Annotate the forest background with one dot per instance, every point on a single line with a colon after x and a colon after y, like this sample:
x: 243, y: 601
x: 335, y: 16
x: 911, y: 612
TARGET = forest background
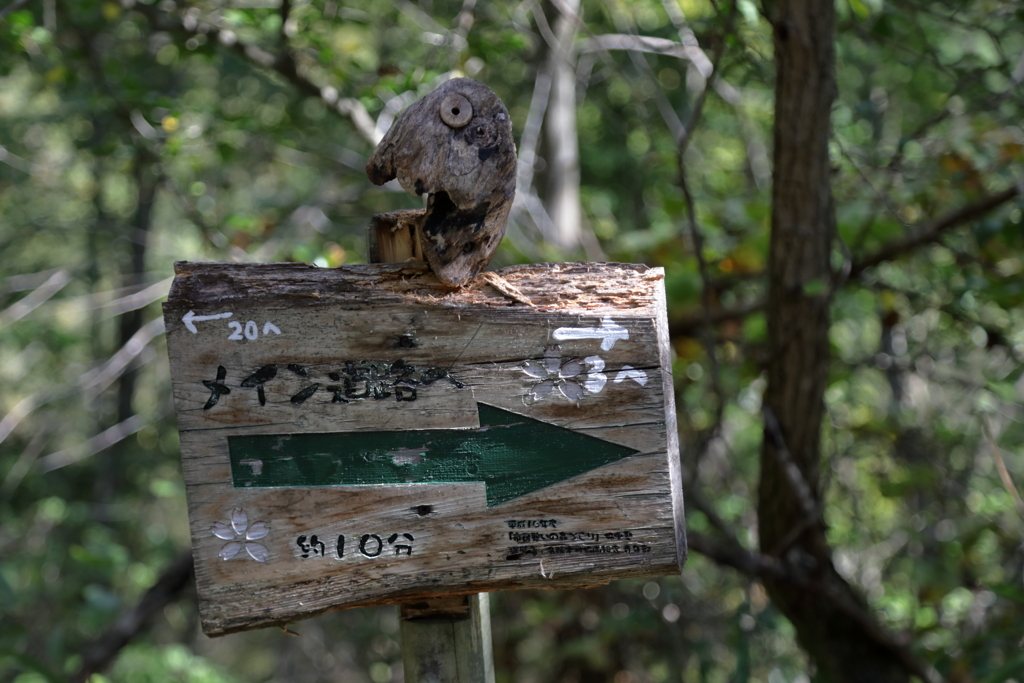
x: 834, y: 192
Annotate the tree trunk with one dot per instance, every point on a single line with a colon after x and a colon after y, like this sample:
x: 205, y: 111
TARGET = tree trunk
x: 563, y: 195
x: 831, y: 621
x: 135, y: 273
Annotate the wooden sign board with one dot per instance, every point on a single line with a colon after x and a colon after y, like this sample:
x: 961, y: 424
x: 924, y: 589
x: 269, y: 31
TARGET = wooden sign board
x: 359, y: 436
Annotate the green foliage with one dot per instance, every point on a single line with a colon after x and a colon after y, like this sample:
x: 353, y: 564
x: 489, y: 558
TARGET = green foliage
x: 103, y: 105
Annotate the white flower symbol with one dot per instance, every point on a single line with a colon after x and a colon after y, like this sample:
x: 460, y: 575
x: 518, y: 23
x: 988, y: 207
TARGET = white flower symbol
x: 554, y: 373
x: 568, y: 376
x: 241, y: 529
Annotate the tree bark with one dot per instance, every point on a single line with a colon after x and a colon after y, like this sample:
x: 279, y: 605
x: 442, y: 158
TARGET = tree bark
x: 563, y: 196
x: 831, y: 621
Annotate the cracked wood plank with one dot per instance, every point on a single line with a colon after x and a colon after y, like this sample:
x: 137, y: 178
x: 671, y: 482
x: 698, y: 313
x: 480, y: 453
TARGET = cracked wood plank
x: 364, y: 435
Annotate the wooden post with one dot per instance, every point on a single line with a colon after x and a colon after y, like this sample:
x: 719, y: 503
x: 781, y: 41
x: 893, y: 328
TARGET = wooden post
x: 446, y: 639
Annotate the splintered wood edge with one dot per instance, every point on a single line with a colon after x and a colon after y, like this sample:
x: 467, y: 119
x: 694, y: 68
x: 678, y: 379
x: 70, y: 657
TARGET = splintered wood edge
x: 548, y: 286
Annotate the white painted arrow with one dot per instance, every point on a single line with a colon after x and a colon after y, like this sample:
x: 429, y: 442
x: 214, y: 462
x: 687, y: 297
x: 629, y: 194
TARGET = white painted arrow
x: 608, y: 333
x: 629, y: 372
x: 190, y: 319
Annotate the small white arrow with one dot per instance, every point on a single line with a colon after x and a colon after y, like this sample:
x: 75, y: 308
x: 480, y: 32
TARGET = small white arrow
x: 608, y: 333
x: 628, y: 372
x: 190, y: 319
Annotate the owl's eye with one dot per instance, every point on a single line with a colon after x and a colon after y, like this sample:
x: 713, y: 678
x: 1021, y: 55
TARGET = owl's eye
x: 469, y: 248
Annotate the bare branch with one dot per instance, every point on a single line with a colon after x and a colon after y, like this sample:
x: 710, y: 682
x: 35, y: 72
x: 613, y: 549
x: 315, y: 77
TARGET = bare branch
x: 283, y: 64
x: 760, y: 566
x: 130, y: 624
x: 621, y: 41
x: 531, y: 131
x: 24, y: 463
x: 695, y: 498
x: 932, y: 232
x: 796, y: 478
x: 526, y: 199
x: 101, y: 441
x: 41, y: 295
x: 705, y: 295
x: 20, y: 411
x: 687, y: 37
x: 100, y: 378
x: 139, y: 299
x: 690, y: 325
x: 745, y: 561
x: 1004, y: 474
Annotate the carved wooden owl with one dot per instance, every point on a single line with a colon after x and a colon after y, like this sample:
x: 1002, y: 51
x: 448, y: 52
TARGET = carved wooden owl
x: 454, y: 145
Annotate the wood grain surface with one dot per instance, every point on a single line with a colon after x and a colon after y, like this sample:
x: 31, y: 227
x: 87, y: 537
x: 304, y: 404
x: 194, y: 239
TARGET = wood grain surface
x: 328, y: 351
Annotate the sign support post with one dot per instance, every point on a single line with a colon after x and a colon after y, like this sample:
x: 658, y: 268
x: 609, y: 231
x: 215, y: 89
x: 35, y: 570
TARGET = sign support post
x: 444, y: 639
x: 448, y: 640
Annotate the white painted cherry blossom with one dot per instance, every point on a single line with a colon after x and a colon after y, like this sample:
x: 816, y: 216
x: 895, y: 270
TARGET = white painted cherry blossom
x: 241, y: 534
x: 568, y: 376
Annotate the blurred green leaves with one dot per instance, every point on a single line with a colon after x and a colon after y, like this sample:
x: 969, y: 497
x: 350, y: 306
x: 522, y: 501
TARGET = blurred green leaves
x: 198, y: 103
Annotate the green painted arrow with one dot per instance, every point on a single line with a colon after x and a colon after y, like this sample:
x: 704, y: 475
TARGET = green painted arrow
x: 513, y: 455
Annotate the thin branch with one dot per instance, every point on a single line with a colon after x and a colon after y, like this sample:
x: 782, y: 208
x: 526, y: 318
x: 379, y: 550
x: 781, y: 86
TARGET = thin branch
x: 1004, y: 474
x: 24, y: 463
x: 100, y: 442
x: 797, y: 481
x: 41, y: 295
x: 696, y: 235
x: 878, y: 195
x: 744, y: 561
x: 695, y: 498
x: 283, y: 64
x: 140, y: 299
x: 464, y: 21
x: 935, y: 230
x: 130, y: 624
x: 760, y: 566
x: 688, y: 38
x: 636, y: 43
x: 100, y: 378
x: 531, y: 131
x: 705, y: 295
x: 543, y: 26
x: 796, y: 478
x: 526, y: 199
x: 690, y: 325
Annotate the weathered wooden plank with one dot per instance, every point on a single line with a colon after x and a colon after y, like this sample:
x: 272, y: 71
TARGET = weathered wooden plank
x: 385, y: 352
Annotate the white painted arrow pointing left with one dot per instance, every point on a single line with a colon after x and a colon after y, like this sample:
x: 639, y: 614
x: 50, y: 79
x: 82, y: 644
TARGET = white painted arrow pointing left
x: 190, y: 319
